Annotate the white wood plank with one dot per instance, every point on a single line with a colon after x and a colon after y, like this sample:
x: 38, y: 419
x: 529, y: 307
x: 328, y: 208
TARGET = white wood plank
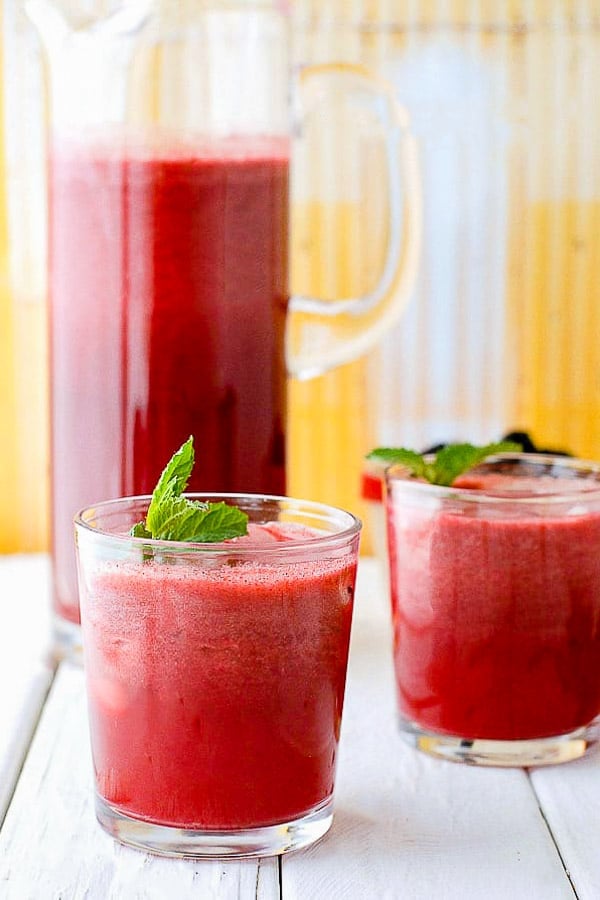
x: 569, y: 796
x: 408, y: 826
x: 51, y: 847
x: 25, y: 673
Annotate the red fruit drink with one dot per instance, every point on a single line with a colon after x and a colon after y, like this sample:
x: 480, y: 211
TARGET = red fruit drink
x: 168, y: 289
x: 216, y: 688
x: 496, y: 603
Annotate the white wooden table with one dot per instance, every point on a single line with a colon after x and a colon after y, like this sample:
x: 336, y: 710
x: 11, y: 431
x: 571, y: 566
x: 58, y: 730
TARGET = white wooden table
x: 406, y: 826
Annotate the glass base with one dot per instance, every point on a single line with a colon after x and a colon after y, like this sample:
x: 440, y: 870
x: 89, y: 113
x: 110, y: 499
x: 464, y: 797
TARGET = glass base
x: 66, y: 644
x: 477, y: 752
x: 167, y: 840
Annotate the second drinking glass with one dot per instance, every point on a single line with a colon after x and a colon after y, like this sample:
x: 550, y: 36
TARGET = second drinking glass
x: 495, y: 588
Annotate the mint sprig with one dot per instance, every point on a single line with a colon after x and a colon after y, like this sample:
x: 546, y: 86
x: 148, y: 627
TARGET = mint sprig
x: 447, y: 464
x: 172, y: 517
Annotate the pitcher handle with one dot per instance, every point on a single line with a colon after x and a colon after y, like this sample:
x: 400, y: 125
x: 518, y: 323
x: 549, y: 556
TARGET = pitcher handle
x: 323, y: 334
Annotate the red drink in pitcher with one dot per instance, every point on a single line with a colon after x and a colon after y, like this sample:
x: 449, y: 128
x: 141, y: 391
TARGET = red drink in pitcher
x: 168, y: 286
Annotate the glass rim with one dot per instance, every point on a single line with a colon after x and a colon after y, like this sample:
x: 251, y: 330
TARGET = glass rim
x: 499, y: 496
x: 352, y: 524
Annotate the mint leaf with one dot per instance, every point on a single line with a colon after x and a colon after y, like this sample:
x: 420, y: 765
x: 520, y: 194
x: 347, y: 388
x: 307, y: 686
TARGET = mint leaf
x: 392, y: 456
x: 179, y: 519
x: 172, y: 517
x: 174, y: 478
x: 449, y: 462
x: 193, y: 520
x: 454, y: 459
x: 140, y: 530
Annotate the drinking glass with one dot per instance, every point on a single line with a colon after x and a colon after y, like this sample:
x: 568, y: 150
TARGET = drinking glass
x: 216, y: 674
x: 495, y: 586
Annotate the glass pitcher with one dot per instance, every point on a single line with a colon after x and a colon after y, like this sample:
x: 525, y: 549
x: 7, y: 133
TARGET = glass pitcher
x: 171, y: 128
